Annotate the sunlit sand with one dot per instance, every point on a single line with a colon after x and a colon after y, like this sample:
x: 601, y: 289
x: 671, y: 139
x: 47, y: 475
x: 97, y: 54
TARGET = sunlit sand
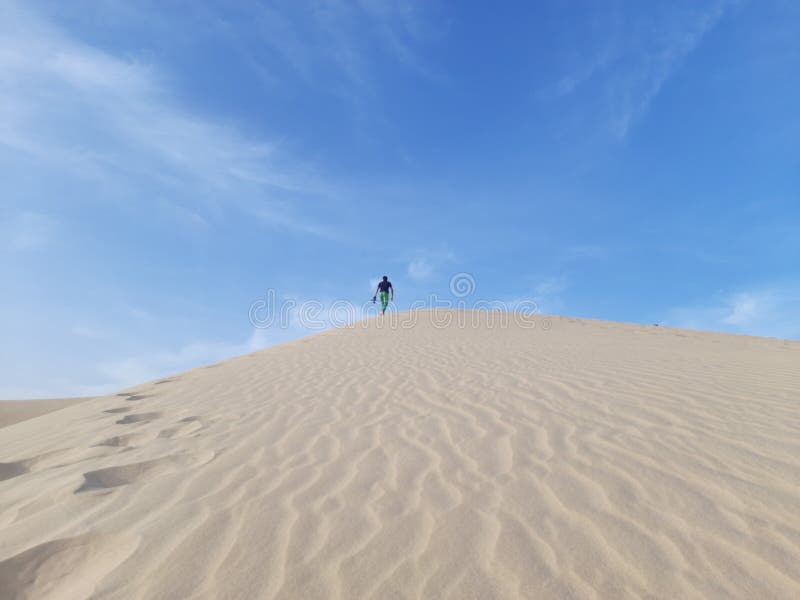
x: 465, y: 460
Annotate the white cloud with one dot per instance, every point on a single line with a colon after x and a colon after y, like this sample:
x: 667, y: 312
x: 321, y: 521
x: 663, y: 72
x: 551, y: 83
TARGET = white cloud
x: 420, y: 269
x: 748, y: 307
x: 97, y: 116
x: 550, y: 287
x: 428, y: 264
x: 765, y: 311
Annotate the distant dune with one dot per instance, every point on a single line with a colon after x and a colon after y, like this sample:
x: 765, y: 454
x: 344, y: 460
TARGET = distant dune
x: 14, y: 411
x: 537, y: 458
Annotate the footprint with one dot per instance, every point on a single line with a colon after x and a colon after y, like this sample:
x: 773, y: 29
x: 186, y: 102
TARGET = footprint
x: 125, y: 474
x: 141, y: 472
x: 14, y: 469
x: 166, y: 381
x: 116, y: 441
x: 183, y: 428
x: 54, y: 459
x: 138, y: 397
x: 132, y: 396
x: 112, y: 411
x: 139, y: 418
x: 66, y: 567
x: 129, y: 439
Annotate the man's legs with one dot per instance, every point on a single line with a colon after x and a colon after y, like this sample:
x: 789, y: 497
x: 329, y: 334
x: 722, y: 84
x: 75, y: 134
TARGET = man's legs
x: 384, y: 301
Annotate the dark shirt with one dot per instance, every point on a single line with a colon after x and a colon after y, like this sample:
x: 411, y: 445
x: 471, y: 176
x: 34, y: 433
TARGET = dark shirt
x: 384, y: 286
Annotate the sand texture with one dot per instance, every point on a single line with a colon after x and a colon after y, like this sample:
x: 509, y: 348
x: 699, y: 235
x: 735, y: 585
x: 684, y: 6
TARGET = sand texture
x: 590, y: 460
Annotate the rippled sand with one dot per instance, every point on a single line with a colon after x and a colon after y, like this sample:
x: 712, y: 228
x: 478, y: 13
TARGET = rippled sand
x: 461, y: 460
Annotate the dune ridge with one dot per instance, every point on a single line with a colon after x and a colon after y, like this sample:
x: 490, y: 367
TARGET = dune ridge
x: 550, y: 458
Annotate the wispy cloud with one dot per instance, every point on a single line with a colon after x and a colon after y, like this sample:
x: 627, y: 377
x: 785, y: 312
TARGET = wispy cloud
x: 546, y: 296
x: 767, y: 311
x: 428, y: 264
x: 426, y: 267
x: 98, y: 116
x: 285, y: 219
x: 637, y: 57
x: 420, y: 269
x: 331, y: 45
x: 402, y: 28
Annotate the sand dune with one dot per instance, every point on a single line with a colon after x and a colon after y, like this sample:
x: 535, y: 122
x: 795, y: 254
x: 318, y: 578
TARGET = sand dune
x: 587, y: 460
x: 14, y: 411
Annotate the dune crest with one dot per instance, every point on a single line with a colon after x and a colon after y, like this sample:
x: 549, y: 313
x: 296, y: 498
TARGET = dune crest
x: 457, y: 458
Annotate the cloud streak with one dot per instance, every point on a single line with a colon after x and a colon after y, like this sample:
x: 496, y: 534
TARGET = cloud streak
x: 330, y: 46
x: 99, y: 117
x: 638, y: 56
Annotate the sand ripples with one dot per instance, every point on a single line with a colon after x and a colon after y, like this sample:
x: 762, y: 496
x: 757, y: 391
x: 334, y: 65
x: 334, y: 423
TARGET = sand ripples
x: 593, y: 460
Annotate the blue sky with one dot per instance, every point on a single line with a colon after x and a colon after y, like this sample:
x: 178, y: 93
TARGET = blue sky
x: 164, y: 164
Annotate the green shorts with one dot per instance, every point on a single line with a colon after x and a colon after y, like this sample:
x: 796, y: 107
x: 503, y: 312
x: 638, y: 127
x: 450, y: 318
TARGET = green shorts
x: 384, y: 300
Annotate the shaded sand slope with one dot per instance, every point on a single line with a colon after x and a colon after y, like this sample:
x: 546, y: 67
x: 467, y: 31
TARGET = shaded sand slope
x: 592, y: 460
x: 14, y: 411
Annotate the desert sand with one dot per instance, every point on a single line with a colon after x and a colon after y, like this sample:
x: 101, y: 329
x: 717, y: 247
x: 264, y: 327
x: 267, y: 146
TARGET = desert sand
x: 14, y: 411
x: 550, y: 458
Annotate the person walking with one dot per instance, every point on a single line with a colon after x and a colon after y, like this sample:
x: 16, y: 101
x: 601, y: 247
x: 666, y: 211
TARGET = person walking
x: 383, y: 290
